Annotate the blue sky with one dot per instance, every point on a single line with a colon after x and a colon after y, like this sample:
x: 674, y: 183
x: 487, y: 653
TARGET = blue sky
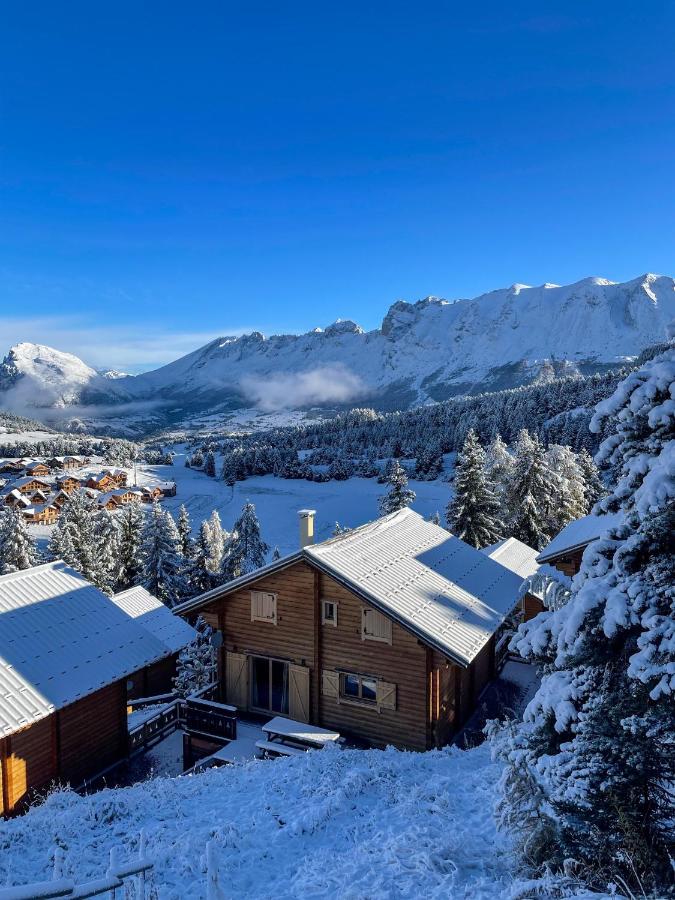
x: 170, y: 172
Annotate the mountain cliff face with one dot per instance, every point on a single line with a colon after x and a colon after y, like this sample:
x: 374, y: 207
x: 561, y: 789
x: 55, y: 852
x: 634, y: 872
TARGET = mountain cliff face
x: 423, y: 352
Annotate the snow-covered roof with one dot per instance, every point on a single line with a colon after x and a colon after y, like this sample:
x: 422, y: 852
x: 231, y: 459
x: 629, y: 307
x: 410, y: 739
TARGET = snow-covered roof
x: 578, y: 534
x: 155, y: 617
x: 28, y: 479
x: 450, y: 594
x: 514, y: 555
x: 61, y: 639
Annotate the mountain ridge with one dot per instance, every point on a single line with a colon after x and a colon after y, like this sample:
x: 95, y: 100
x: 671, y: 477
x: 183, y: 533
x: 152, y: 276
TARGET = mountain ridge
x: 423, y: 352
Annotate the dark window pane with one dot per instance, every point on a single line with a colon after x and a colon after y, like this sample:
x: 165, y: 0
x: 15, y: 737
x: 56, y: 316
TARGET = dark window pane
x: 369, y: 689
x: 279, y: 687
x: 260, y: 683
x: 350, y: 685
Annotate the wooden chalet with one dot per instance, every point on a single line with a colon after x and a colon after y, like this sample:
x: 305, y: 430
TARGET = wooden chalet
x: 60, y: 498
x: 16, y: 498
x: 118, y: 476
x: 41, y: 513
x: 68, y: 483
x: 30, y: 483
x: 12, y: 466
x: 521, y: 559
x: 67, y: 653
x: 101, y: 481
x: 65, y: 463
x: 567, y: 547
x: 385, y: 634
x: 37, y: 468
x: 173, y: 632
x: 150, y: 494
x: 107, y: 501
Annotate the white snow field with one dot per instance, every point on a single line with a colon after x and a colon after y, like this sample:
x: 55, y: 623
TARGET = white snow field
x: 331, y: 823
x: 277, y: 500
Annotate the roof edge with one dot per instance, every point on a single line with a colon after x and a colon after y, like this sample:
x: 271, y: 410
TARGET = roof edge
x: 223, y: 590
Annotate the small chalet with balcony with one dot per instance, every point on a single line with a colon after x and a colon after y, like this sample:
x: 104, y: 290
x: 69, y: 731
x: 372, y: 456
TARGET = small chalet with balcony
x: 567, y: 547
x: 70, y: 657
x: 385, y: 634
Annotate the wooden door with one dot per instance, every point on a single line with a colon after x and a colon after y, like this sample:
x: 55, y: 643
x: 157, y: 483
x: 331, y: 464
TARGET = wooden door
x: 298, y: 707
x: 236, y: 680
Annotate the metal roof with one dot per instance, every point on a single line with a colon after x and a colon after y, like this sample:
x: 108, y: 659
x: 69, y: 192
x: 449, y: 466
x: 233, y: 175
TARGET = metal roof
x: 450, y: 594
x: 578, y: 534
x: 61, y: 639
x: 155, y: 617
x: 514, y: 555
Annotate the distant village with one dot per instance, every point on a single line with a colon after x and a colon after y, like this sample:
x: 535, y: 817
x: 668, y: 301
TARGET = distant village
x: 39, y: 487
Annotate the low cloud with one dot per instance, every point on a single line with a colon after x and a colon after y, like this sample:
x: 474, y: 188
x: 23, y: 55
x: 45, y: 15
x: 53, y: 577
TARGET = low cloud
x: 315, y: 387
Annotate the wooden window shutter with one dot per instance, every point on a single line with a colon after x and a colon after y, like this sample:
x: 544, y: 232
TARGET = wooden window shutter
x: 375, y: 626
x: 386, y: 695
x: 298, y: 695
x: 236, y: 680
x: 263, y: 607
x: 330, y: 684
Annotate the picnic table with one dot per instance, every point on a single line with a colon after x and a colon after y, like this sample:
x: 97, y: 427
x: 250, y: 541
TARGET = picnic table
x: 287, y: 731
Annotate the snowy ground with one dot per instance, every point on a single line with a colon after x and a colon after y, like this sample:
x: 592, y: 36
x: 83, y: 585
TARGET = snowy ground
x: 277, y: 500
x: 331, y: 823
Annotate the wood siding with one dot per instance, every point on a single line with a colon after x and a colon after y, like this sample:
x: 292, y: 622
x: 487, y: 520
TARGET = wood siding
x: 410, y: 715
x: 568, y: 563
x: 532, y: 606
x: 70, y: 746
x: 403, y: 663
x: 92, y: 733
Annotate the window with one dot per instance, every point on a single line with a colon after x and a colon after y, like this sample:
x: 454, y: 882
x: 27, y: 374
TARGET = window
x: 375, y: 626
x: 263, y: 607
x: 329, y: 612
x: 269, y: 684
x: 358, y: 687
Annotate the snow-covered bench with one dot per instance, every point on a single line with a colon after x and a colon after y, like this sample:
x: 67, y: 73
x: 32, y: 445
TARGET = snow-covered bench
x: 278, y: 748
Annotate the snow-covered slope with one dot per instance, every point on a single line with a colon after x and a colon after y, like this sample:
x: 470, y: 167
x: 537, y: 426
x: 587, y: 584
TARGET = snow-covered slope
x: 423, y: 352
x: 328, y: 824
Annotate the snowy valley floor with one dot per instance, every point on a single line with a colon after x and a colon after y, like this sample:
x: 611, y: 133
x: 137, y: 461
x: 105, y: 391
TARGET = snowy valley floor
x: 350, y: 824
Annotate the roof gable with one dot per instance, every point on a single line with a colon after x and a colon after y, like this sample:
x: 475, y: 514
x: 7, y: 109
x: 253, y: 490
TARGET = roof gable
x: 514, y: 555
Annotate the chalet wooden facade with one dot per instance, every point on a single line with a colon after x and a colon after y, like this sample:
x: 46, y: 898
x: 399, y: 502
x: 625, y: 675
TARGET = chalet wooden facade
x: 385, y: 634
x: 28, y: 484
x: 566, y: 549
x: 67, y: 654
x: 42, y: 513
x: 39, y: 469
x: 68, y: 483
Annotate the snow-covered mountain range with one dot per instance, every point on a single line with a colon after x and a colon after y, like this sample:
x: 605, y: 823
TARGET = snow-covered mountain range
x: 423, y: 352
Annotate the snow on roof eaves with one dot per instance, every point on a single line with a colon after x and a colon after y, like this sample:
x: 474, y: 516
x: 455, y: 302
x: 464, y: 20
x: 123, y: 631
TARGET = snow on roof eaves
x: 449, y: 594
x: 514, y: 555
x: 578, y: 534
x: 61, y: 639
x: 155, y: 617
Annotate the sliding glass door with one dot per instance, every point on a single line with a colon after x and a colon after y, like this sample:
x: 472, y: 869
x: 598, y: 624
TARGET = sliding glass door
x: 269, y: 685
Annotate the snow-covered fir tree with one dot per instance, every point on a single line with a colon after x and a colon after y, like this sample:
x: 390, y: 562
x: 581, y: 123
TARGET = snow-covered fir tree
x: 339, y: 529
x: 210, y: 464
x: 399, y: 494
x: 196, y: 665
x: 473, y: 513
x: 216, y: 538
x: 276, y: 554
x: 17, y: 548
x: 499, y: 463
x: 246, y: 549
x: 199, y: 575
x: 108, y: 541
x: 74, y: 539
x: 530, y: 493
x: 568, y: 486
x: 590, y: 773
x: 130, y: 524
x: 184, y: 525
x: 593, y: 487
x: 163, y: 563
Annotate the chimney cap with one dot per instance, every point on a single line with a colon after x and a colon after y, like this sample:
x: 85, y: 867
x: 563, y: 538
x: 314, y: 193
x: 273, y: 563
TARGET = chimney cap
x: 306, y: 512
